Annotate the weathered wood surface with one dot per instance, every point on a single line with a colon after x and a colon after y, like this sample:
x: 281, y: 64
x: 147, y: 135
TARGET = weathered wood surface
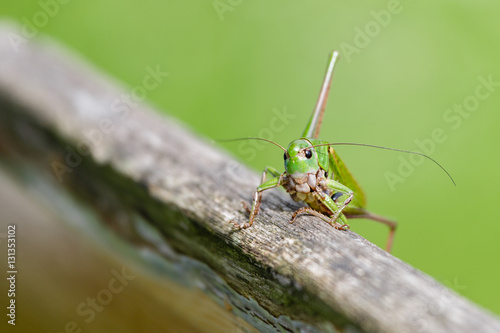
x: 54, y: 107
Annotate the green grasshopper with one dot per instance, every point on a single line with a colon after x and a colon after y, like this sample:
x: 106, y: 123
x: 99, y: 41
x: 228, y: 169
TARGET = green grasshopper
x: 316, y: 175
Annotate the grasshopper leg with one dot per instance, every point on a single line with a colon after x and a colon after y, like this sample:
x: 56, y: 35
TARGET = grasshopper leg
x: 374, y: 217
x: 311, y: 211
x: 336, y: 210
x: 332, y: 206
x: 257, y: 197
x: 245, y: 206
x: 341, y: 208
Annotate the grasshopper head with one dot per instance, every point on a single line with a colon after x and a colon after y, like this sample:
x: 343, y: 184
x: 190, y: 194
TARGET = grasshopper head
x: 299, y: 159
x: 301, y: 164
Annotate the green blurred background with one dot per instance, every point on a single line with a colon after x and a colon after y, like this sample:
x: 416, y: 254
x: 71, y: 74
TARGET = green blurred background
x: 232, y: 62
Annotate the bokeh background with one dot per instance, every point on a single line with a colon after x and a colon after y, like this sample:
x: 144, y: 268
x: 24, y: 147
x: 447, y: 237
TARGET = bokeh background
x: 406, y: 68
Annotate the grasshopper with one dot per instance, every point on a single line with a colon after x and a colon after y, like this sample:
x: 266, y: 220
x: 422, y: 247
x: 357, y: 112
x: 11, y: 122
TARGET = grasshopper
x: 316, y: 175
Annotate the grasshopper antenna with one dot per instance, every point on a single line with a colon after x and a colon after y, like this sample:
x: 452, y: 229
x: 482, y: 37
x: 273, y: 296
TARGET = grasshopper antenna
x: 251, y: 138
x: 387, y: 148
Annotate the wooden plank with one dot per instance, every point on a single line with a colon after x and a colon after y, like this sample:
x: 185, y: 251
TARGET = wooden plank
x: 71, y: 266
x: 303, y: 276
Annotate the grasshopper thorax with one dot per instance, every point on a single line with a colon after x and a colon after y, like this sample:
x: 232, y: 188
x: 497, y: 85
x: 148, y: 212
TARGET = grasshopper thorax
x: 304, y: 165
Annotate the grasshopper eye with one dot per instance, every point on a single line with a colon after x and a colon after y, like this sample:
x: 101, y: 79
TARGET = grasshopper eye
x: 309, y: 154
x: 284, y: 156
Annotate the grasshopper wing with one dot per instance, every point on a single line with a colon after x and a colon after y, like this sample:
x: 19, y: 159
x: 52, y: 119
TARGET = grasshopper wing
x: 344, y: 176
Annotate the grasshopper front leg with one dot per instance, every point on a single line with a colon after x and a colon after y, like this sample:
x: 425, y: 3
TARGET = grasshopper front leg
x: 257, y: 197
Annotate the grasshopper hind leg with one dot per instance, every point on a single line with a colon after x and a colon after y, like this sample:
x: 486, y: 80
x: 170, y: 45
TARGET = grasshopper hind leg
x: 364, y: 214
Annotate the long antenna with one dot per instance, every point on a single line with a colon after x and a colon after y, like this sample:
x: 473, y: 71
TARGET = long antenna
x: 386, y: 148
x: 251, y: 138
x: 314, y: 125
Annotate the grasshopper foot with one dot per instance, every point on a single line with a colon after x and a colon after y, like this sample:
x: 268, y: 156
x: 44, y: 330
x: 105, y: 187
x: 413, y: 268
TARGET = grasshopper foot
x: 244, y: 225
x: 339, y: 226
x: 240, y: 226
